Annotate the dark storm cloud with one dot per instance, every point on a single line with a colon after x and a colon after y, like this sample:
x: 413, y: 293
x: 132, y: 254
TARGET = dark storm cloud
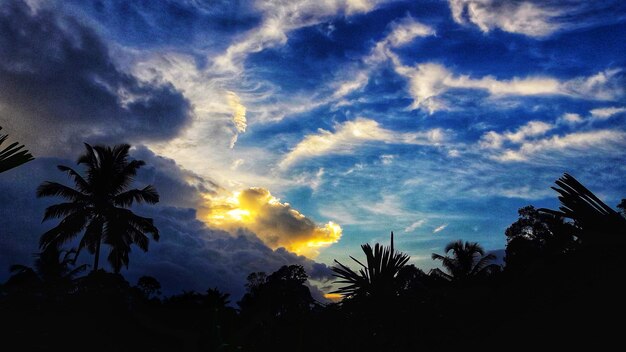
x: 189, y: 255
x: 58, y: 84
x: 192, y: 256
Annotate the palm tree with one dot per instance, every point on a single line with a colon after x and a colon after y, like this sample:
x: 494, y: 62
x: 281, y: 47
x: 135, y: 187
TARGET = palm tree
x: 468, y: 261
x: 98, y: 205
x: 377, y: 278
x: 12, y: 156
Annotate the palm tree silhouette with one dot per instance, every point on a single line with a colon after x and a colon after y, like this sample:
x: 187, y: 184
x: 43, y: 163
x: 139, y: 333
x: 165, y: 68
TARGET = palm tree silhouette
x: 98, y: 206
x: 377, y: 278
x: 12, y: 156
x: 468, y: 261
x: 53, y: 272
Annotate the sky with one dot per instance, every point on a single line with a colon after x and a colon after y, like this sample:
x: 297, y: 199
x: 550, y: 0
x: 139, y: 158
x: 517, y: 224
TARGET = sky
x: 282, y: 132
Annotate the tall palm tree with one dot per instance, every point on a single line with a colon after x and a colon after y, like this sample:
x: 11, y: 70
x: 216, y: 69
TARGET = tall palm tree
x: 468, y: 261
x: 98, y: 205
x: 12, y: 156
x: 377, y: 278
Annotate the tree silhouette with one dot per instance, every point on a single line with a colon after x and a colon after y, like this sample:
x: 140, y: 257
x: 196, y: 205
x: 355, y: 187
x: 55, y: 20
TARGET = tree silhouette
x: 377, y: 278
x: 468, y: 261
x: 54, y: 271
x: 149, y: 286
x: 279, y: 294
x: 98, y: 205
x: 536, y: 237
x: 12, y: 156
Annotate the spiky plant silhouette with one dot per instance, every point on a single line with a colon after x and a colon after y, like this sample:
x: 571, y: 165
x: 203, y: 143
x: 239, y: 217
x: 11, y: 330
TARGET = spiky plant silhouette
x: 377, y: 278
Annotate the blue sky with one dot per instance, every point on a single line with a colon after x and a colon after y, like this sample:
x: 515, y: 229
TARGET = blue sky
x: 434, y: 119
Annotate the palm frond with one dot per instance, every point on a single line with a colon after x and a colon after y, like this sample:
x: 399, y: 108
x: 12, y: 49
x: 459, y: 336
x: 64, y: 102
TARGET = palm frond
x: 62, y: 210
x: 13, y: 155
x: 65, y: 231
x: 81, y: 183
x: 53, y: 189
x: 147, y: 194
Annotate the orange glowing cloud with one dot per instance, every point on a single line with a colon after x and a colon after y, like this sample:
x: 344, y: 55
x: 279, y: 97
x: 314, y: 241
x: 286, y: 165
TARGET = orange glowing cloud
x: 276, y: 224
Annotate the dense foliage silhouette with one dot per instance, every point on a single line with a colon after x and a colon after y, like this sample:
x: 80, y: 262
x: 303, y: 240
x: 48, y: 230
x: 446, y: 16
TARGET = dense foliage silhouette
x: 98, y: 205
x: 560, y: 286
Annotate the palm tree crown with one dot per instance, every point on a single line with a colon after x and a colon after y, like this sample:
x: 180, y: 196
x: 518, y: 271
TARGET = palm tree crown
x: 468, y: 261
x: 98, y: 205
x: 377, y: 278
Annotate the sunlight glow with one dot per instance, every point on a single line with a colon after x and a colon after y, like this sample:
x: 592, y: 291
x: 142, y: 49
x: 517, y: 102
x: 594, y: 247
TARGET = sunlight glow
x: 275, y: 223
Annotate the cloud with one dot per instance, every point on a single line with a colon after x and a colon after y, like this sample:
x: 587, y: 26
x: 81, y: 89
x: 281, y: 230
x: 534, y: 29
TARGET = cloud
x: 571, y: 118
x: 59, y: 86
x: 605, y: 113
x: 218, y: 112
x: 598, y: 141
x: 277, y: 224
x: 428, y: 81
x: 279, y: 18
x: 312, y: 181
x: 440, y: 228
x: 415, y: 225
x: 390, y: 205
x: 523, y: 17
x: 352, y: 134
x: 239, y: 115
x: 401, y: 32
x: 495, y: 140
x: 387, y: 159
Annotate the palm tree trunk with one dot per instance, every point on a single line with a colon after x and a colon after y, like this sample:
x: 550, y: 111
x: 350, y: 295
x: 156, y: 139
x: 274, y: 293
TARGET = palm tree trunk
x: 97, y: 257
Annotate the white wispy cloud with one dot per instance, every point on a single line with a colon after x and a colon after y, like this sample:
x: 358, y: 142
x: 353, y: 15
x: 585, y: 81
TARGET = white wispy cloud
x: 605, y: 113
x: 279, y: 18
x: 440, y: 228
x: 427, y: 81
x: 238, y: 115
x: 218, y: 112
x: 495, y: 140
x: 401, y: 32
x: 591, y: 142
x: 352, y: 134
x: 390, y: 205
x: 523, y: 17
x: 311, y: 180
x: 415, y: 225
